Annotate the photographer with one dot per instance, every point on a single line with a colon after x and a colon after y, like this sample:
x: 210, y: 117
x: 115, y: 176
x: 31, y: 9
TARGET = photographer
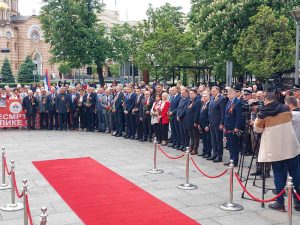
x: 278, y: 145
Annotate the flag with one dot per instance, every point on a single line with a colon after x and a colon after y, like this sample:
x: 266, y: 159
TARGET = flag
x: 47, y: 83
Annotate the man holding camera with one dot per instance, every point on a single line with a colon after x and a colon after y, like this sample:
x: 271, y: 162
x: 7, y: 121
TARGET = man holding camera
x: 278, y: 146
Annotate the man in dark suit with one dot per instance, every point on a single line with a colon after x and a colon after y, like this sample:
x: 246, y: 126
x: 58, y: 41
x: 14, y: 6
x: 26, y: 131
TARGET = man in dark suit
x: 145, y: 117
x: 51, y: 109
x: 181, y: 111
x: 74, y: 98
x: 130, y: 118
x: 216, y: 120
x: 191, y: 121
x: 42, y: 102
x: 30, y: 104
x: 136, y: 112
x: 89, y: 101
x: 62, y: 107
x: 204, y: 126
x: 119, y: 111
x: 174, y: 100
x: 233, y: 123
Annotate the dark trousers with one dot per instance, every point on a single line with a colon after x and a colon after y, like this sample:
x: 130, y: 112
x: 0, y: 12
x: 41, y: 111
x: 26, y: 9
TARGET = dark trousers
x: 119, y: 116
x: 233, y: 141
x: 217, y: 141
x: 53, y: 117
x: 82, y: 118
x: 156, y: 128
x: 63, y: 121
x: 175, y: 131
x: 90, y: 119
x: 184, y: 135
x: 194, y: 138
x: 133, y: 124
x: 101, y: 120
x: 281, y: 169
x: 206, y: 141
x: 147, y: 131
x: 163, y: 129
x: 44, y: 120
x: 30, y: 120
x: 139, y: 127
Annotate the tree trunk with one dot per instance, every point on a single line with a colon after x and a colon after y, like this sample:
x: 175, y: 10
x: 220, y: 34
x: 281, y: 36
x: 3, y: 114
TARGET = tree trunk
x: 100, y: 74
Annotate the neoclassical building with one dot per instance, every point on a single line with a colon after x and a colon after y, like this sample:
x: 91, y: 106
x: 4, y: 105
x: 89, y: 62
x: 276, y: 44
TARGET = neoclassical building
x: 21, y: 36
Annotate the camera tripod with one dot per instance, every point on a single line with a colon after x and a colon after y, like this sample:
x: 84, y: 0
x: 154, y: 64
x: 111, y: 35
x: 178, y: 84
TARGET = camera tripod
x: 256, y: 144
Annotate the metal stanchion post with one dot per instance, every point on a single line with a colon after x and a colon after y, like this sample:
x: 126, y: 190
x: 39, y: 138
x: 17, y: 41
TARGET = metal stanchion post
x: 44, y: 216
x: 230, y: 206
x: 290, y: 199
x: 187, y: 185
x: 155, y: 170
x: 13, y: 206
x: 25, y: 201
x: 4, y: 185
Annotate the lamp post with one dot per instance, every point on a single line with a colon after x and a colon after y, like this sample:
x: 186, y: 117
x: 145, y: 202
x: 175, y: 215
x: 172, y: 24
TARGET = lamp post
x: 296, y: 15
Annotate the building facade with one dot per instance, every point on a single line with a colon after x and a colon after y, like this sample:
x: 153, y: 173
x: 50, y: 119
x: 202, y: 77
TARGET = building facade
x: 22, y: 36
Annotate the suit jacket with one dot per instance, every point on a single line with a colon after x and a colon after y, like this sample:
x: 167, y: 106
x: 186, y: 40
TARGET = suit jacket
x: 216, y: 111
x: 145, y: 106
x: 164, y: 109
x: 74, y: 98
x: 119, y: 102
x: 99, y: 106
x: 233, y: 115
x: 90, y: 101
x: 42, y: 103
x: 130, y: 102
x: 174, y: 104
x: 30, y: 105
x: 50, y: 104
x: 106, y: 101
x: 191, y: 114
x: 137, y: 104
x: 63, y: 103
x: 203, y: 116
x: 181, y: 110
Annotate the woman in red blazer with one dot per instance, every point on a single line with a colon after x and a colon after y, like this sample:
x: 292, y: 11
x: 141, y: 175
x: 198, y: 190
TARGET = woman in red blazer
x: 164, y: 118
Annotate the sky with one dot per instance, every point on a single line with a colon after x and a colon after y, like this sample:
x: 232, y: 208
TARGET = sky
x: 130, y: 10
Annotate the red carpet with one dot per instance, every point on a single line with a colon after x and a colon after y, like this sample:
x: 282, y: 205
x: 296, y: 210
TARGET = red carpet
x: 99, y: 196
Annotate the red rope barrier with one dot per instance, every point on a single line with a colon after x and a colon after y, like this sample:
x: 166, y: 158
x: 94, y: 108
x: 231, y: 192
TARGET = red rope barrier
x: 6, y: 167
x: 170, y: 157
x: 296, y: 194
x: 253, y: 197
x: 16, y: 187
x: 206, y: 175
x: 28, y: 211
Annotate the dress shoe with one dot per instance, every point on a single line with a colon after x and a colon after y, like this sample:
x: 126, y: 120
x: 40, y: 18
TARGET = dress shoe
x: 180, y: 148
x: 212, y: 158
x: 194, y: 152
x: 278, y: 207
x: 137, y: 138
x: 257, y: 173
x: 126, y: 137
x: 202, y: 154
x: 132, y: 138
x: 219, y: 159
x: 206, y: 156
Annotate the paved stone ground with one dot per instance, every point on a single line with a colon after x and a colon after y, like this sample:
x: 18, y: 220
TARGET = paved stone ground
x: 130, y: 159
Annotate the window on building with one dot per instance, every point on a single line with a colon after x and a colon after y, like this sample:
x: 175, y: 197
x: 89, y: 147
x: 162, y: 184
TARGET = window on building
x: 35, y: 36
x: 8, y: 44
x: 8, y: 35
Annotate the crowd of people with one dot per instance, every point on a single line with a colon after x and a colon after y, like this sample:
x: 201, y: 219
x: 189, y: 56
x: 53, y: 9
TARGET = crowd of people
x: 177, y: 117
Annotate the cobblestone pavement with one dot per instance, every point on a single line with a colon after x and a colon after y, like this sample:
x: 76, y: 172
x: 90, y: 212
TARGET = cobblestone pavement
x: 129, y: 159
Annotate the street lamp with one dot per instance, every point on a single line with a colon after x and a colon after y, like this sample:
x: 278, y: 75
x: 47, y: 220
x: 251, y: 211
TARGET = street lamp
x: 296, y: 15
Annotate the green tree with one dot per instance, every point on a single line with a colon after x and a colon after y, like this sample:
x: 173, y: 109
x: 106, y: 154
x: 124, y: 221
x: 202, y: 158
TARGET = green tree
x: 218, y: 26
x: 7, y: 76
x: 25, y: 74
x: 75, y: 34
x: 64, y: 68
x: 164, y: 41
x: 267, y: 45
